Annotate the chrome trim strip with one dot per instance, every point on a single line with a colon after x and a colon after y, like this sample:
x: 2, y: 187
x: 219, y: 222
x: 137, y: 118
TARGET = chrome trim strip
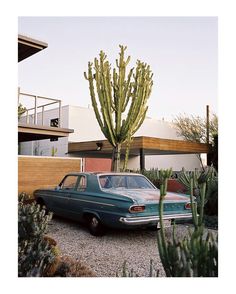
x: 106, y: 204
x: 69, y: 198
x: 150, y: 219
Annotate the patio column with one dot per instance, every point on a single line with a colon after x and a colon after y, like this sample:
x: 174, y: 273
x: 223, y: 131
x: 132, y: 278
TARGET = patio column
x: 142, y: 159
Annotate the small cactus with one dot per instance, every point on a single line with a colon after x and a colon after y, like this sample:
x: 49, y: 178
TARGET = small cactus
x: 129, y: 273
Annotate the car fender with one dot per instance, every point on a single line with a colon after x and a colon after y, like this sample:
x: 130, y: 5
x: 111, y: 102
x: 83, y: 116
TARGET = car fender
x: 89, y: 212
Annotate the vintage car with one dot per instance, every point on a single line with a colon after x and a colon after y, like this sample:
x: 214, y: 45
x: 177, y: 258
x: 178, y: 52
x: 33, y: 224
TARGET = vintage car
x: 117, y: 200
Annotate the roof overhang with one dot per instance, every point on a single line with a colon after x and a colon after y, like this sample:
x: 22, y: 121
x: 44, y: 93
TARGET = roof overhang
x: 28, y: 132
x: 28, y: 46
x: 149, y: 145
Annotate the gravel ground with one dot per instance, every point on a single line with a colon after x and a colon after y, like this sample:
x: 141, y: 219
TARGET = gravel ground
x: 105, y: 255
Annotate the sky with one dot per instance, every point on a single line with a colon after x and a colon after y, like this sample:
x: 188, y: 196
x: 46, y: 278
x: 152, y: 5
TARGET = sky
x: 181, y: 51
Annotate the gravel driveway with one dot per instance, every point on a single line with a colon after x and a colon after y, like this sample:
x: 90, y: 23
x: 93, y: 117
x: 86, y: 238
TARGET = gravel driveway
x: 105, y: 255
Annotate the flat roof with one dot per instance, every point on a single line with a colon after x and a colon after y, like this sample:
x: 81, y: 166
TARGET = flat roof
x: 150, y: 146
x: 29, y: 132
x: 28, y: 46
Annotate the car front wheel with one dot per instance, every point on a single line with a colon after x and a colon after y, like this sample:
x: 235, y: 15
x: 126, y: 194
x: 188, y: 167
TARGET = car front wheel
x: 95, y: 226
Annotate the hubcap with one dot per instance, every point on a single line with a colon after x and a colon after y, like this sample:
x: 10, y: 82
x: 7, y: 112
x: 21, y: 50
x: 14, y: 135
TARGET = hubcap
x: 94, y: 222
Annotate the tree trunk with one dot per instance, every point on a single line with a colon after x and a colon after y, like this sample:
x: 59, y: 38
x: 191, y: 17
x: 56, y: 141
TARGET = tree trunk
x: 126, y: 155
x: 116, y: 158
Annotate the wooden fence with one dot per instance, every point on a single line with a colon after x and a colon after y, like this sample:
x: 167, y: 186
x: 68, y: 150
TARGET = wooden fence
x: 36, y: 172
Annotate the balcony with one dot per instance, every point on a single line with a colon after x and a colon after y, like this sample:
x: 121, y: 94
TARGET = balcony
x: 35, y: 122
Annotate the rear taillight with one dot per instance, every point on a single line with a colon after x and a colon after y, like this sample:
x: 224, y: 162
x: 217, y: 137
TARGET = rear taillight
x: 188, y: 205
x: 136, y: 208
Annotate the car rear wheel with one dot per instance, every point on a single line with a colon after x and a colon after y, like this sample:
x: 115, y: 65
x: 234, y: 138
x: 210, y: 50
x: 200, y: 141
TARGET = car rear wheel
x: 95, y: 226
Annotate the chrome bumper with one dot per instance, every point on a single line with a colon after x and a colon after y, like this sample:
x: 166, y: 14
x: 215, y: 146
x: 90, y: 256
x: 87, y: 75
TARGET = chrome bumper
x: 145, y: 220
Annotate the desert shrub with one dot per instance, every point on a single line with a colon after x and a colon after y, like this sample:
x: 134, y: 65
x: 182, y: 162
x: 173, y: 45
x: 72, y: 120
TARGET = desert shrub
x: 35, y: 253
x: 69, y: 267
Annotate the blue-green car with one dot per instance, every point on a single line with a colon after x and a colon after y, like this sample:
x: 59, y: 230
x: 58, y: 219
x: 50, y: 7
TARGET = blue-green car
x: 117, y: 200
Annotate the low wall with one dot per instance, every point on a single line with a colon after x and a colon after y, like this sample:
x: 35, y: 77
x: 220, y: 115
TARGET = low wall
x: 36, y: 172
x: 97, y: 164
x: 175, y: 186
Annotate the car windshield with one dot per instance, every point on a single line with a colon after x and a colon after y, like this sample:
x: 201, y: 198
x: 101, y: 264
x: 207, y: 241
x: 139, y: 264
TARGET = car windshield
x: 124, y: 182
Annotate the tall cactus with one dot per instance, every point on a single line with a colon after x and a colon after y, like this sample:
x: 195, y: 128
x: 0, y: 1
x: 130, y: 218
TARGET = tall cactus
x: 120, y: 101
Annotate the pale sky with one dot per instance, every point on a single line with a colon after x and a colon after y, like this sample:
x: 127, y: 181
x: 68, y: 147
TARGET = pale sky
x: 182, y: 53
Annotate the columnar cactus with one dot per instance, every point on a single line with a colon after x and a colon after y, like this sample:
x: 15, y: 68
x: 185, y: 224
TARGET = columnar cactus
x: 197, y: 254
x: 118, y: 95
x: 210, y: 176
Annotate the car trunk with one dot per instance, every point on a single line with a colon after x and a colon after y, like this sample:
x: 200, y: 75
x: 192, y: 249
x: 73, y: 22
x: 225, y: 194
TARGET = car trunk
x: 173, y: 202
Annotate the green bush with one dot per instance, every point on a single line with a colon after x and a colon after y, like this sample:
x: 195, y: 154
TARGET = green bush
x: 35, y: 254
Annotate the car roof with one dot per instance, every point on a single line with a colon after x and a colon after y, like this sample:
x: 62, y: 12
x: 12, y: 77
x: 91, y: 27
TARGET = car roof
x: 104, y: 173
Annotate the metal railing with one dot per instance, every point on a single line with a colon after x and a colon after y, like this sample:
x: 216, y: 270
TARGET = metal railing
x: 34, y: 110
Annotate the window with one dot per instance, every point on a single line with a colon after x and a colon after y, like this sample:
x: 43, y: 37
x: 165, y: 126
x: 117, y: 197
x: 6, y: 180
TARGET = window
x: 82, y: 184
x: 69, y: 183
x: 124, y: 182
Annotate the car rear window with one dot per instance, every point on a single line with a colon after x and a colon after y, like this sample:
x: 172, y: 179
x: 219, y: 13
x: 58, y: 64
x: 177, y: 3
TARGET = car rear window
x: 124, y: 182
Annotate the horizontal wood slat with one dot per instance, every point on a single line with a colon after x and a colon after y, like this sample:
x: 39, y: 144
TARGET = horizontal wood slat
x: 42, y: 172
x: 156, y: 145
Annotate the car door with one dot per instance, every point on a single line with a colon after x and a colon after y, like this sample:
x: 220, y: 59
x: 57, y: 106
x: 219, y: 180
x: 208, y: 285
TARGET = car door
x: 76, y: 202
x: 61, y: 200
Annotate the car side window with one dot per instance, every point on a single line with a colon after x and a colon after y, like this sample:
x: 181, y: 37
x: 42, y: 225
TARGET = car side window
x: 69, y: 183
x: 82, y: 184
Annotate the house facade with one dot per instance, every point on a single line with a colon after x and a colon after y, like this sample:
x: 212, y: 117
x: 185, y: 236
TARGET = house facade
x: 83, y: 121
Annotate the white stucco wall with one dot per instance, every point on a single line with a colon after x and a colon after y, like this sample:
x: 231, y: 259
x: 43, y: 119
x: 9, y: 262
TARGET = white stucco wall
x: 85, y: 125
x: 176, y: 162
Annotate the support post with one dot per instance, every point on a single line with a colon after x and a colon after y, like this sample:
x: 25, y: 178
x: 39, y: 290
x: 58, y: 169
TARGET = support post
x: 142, y: 159
x: 35, y: 109
x: 59, y: 119
x: 18, y: 95
x: 42, y: 114
x: 207, y: 124
x: 209, y: 155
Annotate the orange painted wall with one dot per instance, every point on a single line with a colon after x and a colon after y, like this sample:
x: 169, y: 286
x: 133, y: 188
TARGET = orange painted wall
x: 97, y: 164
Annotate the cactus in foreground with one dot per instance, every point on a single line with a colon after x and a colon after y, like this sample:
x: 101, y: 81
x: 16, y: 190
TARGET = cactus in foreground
x: 211, y: 195
x: 35, y: 254
x: 126, y: 273
x: 118, y: 95
x: 197, y: 254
